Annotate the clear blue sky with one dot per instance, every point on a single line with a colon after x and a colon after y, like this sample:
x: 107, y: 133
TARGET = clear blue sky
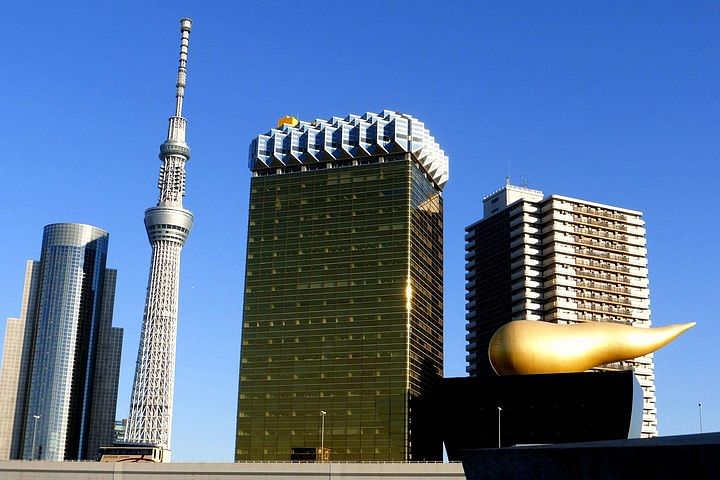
x: 614, y: 102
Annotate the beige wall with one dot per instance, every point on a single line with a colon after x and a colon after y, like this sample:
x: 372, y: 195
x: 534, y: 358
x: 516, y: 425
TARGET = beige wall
x: 17, y: 470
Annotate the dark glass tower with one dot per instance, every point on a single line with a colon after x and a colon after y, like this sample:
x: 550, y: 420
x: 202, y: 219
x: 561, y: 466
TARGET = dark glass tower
x: 343, y: 310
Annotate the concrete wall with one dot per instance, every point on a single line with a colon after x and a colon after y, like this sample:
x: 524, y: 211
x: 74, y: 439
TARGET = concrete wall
x: 17, y: 470
x: 678, y: 457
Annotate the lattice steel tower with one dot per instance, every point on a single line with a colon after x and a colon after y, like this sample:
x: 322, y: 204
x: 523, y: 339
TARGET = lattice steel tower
x: 168, y: 225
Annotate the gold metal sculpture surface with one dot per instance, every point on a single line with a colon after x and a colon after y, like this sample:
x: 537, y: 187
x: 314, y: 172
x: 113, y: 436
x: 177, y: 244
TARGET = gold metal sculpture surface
x: 529, y: 347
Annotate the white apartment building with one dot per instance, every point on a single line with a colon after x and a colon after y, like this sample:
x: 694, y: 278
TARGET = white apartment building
x: 561, y: 260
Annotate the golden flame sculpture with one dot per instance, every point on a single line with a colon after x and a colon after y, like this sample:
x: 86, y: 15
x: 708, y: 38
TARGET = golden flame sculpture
x: 527, y: 347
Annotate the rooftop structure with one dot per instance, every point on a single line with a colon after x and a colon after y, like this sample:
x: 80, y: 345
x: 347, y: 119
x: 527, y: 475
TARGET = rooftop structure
x: 321, y: 144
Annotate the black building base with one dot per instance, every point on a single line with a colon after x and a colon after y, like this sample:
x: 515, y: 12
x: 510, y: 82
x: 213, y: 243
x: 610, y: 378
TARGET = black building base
x: 679, y: 457
x: 537, y: 409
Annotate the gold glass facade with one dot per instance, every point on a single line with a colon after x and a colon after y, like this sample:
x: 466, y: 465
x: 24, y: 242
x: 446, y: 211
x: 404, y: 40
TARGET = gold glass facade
x: 342, y: 313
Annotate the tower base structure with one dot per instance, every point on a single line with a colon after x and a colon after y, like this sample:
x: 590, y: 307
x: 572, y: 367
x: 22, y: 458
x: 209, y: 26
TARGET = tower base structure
x: 488, y: 412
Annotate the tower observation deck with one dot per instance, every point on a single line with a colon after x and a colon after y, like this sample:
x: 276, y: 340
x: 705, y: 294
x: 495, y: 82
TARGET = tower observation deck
x: 168, y: 225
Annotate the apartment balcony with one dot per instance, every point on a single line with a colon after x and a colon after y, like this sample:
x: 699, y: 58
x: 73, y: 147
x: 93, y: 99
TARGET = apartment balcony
x: 559, y: 269
x: 603, y: 213
x: 525, y: 218
x: 601, y: 307
x: 528, y: 261
x: 525, y: 250
x: 631, y: 292
x: 524, y: 207
x: 525, y: 272
x: 606, y: 245
x: 595, y: 232
x: 611, y: 267
x: 524, y: 283
x: 623, y: 312
x: 526, y: 304
x: 618, y: 227
x: 524, y: 241
x: 614, y: 257
x: 556, y: 316
x: 555, y: 215
x: 523, y: 231
x: 644, y: 360
x: 558, y: 282
x: 646, y: 381
x: 557, y: 227
x: 559, y: 237
x: 526, y: 294
x: 637, y: 251
x: 560, y: 302
x: 560, y: 291
x: 596, y: 297
x: 642, y: 371
x: 635, y: 230
x: 558, y: 247
x: 599, y: 223
x: 560, y: 259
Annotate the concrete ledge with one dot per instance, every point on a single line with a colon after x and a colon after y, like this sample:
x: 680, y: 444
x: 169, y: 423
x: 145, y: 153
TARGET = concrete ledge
x: 677, y: 457
x: 23, y: 470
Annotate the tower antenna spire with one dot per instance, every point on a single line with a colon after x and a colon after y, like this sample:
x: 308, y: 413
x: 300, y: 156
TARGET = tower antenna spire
x: 185, y: 27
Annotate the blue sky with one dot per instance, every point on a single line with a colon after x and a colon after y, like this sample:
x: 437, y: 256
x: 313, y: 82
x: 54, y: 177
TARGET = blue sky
x: 613, y: 102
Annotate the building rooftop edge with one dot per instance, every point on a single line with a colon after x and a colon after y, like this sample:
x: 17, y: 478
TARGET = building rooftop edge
x: 344, y: 139
x: 596, y: 204
x: 549, y: 197
x: 76, y: 224
x: 512, y: 187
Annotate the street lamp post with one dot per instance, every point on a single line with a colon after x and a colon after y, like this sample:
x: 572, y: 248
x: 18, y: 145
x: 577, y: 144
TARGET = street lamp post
x: 499, y: 415
x: 700, y: 410
x: 32, y: 453
x: 322, y: 436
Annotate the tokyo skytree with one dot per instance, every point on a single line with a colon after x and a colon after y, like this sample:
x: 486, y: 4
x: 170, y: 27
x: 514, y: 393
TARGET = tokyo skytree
x: 168, y: 225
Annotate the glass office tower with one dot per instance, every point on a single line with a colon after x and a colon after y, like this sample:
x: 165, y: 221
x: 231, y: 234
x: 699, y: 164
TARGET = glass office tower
x: 343, y: 310
x: 60, y: 380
